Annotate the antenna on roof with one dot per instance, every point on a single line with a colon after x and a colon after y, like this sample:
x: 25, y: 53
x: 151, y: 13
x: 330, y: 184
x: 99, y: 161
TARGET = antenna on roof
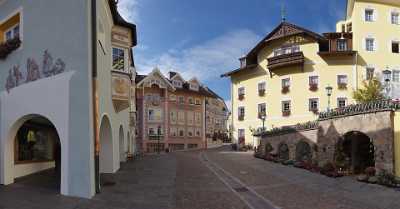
x: 283, y: 11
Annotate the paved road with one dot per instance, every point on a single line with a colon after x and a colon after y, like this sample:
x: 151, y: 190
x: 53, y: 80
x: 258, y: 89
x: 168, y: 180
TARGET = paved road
x: 215, y: 179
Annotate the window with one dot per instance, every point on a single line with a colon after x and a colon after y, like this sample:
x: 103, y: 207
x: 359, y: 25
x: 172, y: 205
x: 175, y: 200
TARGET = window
x: 313, y: 104
x: 370, y: 44
x: 369, y: 15
x: 395, y: 18
x: 313, y: 80
x: 395, y: 47
x: 181, y: 117
x: 154, y: 130
x: 197, y: 118
x: 118, y: 57
x: 177, y: 84
x: 173, y: 131
x: 241, y: 113
x: 198, y: 101
x: 190, y: 132
x: 194, y: 87
x: 173, y: 117
x: 241, y: 133
x: 396, y: 76
x: 342, y: 79
x: 172, y: 98
x: 370, y: 73
x: 342, y: 45
x: 343, y: 28
x: 349, y: 27
x: 241, y: 91
x: 154, y: 115
x: 261, y: 86
x: 181, y: 132
x: 262, y: 110
x: 341, y: 102
x: 286, y: 106
x: 286, y: 50
x: 190, y: 118
x: 181, y: 100
x: 191, y: 101
x: 285, y: 82
x: 12, y: 33
x: 198, y: 132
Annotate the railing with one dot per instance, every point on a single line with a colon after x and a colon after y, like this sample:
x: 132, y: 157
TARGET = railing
x: 284, y: 60
x: 287, y: 129
x: 377, y: 106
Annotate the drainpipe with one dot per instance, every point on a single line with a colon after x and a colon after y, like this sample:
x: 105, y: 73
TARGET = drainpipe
x: 95, y: 97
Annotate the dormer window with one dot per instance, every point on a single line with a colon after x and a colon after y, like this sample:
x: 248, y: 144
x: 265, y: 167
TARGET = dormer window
x: 194, y: 87
x: 243, y: 62
x: 177, y: 84
x: 118, y: 57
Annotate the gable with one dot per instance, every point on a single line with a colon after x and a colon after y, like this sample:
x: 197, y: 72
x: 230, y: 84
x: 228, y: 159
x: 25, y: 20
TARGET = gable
x: 155, y: 78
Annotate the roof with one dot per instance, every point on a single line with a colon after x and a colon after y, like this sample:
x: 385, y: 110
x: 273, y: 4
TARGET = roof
x: 284, y: 29
x: 119, y: 20
x: 139, y: 78
x: 239, y: 69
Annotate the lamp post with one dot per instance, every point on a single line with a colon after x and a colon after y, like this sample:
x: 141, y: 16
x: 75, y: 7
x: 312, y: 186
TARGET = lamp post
x: 329, y: 94
x: 387, y: 74
x: 263, y: 121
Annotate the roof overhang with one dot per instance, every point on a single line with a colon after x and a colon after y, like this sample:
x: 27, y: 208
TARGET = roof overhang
x: 228, y: 74
x: 120, y: 21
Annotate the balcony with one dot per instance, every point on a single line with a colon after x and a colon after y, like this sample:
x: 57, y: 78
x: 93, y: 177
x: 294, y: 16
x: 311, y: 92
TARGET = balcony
x: 121, y: 84
x: 337, y: 45
x: 155, y: 137
x: 8, y: 47
x: 286, y: 60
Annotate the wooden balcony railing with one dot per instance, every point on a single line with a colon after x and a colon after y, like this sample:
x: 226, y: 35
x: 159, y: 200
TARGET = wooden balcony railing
x: 285, y: 60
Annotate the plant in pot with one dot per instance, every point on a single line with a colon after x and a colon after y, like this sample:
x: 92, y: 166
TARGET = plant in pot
x: 285, y: 89
x: 313, y: 87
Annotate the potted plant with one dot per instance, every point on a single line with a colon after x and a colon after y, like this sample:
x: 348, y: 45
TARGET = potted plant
x: 241, y: 97
x: 342, y: 86
x: 285, y: 89
x: 241, y: 117
x: 261, y: 92
x: 9, y: 46
x: 286, y: 113
x: 313, y: 87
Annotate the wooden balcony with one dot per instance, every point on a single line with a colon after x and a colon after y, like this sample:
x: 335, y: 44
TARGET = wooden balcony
x: 337, y: 45
x: 286, y: 60
x: 121, y: 84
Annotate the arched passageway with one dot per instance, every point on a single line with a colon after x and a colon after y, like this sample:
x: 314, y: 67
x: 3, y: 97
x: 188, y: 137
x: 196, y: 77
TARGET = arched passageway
x: 303, y: 152
x: 106, y: 146
x: 122, y: 152
x: 355, y: 152
x: 36, y: 155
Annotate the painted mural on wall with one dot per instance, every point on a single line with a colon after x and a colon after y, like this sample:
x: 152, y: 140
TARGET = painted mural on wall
x: 33, y: 73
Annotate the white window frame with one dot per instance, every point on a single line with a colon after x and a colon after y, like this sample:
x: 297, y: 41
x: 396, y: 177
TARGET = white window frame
x: 373, y: 17
x: 373, y: 44
x: 288, y: 82
x: 240, y: 90
x: 310, y: 101
x: 289, y: 109
x: 177, y: 84
x: 342, y: 75
x: 240, y: 111
x: 21, y: 23
x: 397, y: 80
x: 259, y: 108
x: 367, y: 72
x: 341, y: 99
x: 310, y: 79
x: 392, y: 14
x: 262, y: 83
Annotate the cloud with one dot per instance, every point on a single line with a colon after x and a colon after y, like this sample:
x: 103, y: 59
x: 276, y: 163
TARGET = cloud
x: 129, y: 10
x: 206, y: 61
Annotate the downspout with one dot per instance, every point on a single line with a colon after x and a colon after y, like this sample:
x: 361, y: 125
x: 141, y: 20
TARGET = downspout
x: 95, y: 97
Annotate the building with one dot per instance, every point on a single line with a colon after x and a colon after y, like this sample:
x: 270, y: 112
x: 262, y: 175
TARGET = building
x: 285, y: 76
x: 216, y: 119
x: 172, y: 112
x: 66, y: 71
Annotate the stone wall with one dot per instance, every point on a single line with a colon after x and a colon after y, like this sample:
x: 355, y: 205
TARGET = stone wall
x: 378, y: 126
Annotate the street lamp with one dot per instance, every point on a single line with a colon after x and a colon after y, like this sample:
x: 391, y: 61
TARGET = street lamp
x: 263, y: 121
x: 329, y: 94
x: 387, y: 74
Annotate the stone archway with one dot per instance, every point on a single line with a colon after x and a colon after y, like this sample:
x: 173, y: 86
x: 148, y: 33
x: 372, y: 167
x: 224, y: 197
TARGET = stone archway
x: 356, y: 152
x: 122, y: 152
x: 303, y: 152
x: 35, y: 154
x: 283, y: 151
x: 106, y: 146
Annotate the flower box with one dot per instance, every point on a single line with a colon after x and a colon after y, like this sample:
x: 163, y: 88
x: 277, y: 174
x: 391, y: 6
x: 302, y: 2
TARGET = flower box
x: 261, y: 92
x: 260, y: 115
x: 286, y: 113
x: 9, y: 46
x: 285, y: 89
x: 342, y: 85
x: 241, y: 96
x: 241, y: 117
x: 313, y: 87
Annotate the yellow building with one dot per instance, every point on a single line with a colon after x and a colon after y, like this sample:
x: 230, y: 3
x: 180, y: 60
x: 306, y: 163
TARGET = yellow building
x: 285, y: 76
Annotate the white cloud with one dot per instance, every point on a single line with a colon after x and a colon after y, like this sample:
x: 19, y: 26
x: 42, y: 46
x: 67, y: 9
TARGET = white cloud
x: 206, y: 61
x: 129, y: 10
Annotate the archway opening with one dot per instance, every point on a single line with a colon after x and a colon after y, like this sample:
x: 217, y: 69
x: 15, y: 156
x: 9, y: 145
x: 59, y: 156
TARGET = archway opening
x: 37, y: 154
x: 283, y: 152
x: 355, y: 152
x: 303, y: 152
x: 106, y: 146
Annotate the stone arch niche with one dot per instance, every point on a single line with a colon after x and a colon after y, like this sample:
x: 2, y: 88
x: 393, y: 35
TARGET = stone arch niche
x: 106, y: 146
x: 34, y: 145
x: 303, y: 152
x: 283, y: 151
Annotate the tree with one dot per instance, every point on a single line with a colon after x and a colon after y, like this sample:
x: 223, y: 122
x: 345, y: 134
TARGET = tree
x: 371, y: 91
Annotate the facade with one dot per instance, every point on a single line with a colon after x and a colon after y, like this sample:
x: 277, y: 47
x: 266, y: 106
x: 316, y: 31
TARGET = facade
x: 171, y: 112
x: 65, y: 91
x: 216, y: 120
x: 285, y: 76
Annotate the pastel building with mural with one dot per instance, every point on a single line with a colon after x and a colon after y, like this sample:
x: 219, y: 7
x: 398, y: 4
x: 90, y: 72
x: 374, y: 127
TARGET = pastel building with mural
x: 293, y: 73
x: 66, y: 92
x: 171, y: 112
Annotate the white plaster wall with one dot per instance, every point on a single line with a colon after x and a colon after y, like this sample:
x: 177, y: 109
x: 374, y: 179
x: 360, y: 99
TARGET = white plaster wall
x: 21, y: 170
x: 46, y: 97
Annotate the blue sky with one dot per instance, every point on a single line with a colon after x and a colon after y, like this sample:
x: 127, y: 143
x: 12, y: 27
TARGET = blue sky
x: 205, y: 38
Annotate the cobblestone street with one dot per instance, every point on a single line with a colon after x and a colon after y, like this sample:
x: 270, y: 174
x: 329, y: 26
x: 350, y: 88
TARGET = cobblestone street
x: 215, y: 179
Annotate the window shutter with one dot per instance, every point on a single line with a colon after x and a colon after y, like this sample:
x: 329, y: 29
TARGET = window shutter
x: 364, y: 43
x: 363, y: 15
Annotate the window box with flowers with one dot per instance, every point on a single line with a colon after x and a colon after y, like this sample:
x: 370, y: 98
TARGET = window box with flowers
x: 9, y: 46
x: 261, y: 89
x: 261, y: 92
x: 241, y: 117
x: 241, y: 96
x: 286, y: 108
x: 314, y: 105
x: 286, y: 113
x: 285, y: 86
x: 342, y: 82
x: 313, y: 87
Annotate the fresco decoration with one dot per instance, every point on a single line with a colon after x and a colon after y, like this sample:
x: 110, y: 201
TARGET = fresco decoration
x: 33, y: 73
x: 9, y: 46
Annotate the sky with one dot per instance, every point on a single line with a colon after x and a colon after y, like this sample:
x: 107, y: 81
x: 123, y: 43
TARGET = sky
x: 205, y: 38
